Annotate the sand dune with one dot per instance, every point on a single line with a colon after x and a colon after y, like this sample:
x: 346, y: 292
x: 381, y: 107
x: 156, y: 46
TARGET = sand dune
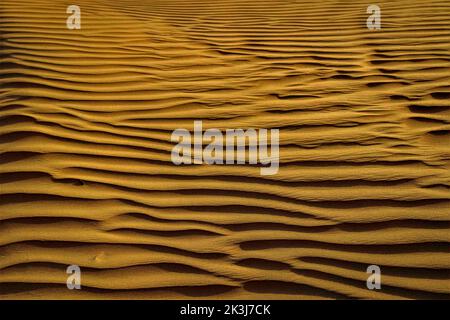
x: 87, y: 177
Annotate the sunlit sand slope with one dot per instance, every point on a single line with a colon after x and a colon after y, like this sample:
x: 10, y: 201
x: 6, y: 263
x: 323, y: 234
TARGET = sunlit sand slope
x: 87, y: 178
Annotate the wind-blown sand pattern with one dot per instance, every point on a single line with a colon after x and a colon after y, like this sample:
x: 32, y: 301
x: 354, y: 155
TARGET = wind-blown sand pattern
x: 87, y: 179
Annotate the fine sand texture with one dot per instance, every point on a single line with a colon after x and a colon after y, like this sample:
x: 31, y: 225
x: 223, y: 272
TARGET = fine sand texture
x: 87, y: 179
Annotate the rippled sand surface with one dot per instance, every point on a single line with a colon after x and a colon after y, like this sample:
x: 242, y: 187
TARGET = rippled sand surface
x: 87, y: 178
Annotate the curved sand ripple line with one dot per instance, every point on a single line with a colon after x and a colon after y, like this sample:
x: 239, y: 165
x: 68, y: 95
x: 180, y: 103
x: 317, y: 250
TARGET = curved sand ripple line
x: 85, y: 149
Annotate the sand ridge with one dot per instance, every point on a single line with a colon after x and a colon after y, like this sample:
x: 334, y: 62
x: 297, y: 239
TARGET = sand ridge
x: 87, y: 177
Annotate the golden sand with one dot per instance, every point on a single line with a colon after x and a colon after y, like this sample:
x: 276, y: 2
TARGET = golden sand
x: 87, y: 178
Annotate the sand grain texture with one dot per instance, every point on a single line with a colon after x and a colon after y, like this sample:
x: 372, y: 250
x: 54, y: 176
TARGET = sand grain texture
x: 87, y: 179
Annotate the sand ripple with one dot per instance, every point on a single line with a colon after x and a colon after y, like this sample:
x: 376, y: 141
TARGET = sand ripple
x: 87, y: 179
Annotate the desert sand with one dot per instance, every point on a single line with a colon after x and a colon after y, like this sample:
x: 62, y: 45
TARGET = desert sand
x: 87, y: 115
